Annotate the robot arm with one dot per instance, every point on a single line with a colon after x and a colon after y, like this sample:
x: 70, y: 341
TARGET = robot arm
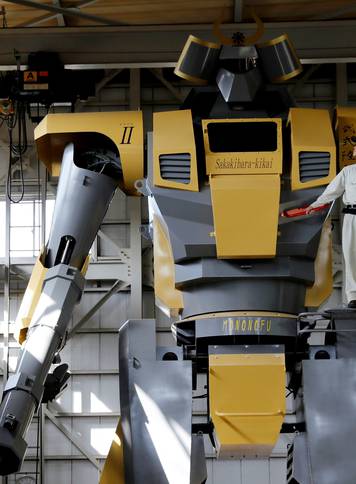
x: 98, y: 152
x: 83, y: 196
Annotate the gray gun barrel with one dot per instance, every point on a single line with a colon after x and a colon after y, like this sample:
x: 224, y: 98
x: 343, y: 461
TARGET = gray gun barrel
x: 83, y: 197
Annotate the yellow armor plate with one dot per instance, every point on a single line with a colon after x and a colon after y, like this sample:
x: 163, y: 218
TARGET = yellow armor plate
x: 247, y: 402
x: 30, y: 300
x: 113, y: 471
x: 164, y: 272
x: 245, y: 209
x: 124, y: 129
x: 173, y: 134
x: 311, y: 132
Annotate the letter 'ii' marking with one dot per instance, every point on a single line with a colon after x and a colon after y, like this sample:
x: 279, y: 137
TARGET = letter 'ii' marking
x: 126, y: 136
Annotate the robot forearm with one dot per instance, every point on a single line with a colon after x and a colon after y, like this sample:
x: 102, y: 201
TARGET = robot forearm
x: 23, y: 392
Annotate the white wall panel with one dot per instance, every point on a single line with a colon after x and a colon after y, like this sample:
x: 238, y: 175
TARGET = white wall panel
x: 82, y: 473
x: 277, y: 470
x: 109, y: 351
x: 83, y: 428
x: 89, y: 394
x: 254, y: 471
x: 58, y: 472
x: 101, y: 433
x: 109, y: 392
x: 227, y: 471
x: 82, y: 352
x: 114, y: 313
x: 68, y: 401
x: 118, y: 239
x: 13, y: 356
x: 56, y: 443
x: 86, y: 303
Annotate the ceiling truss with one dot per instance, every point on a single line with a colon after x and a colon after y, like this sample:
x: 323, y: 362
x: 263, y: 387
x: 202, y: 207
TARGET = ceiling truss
x: 58, y: 10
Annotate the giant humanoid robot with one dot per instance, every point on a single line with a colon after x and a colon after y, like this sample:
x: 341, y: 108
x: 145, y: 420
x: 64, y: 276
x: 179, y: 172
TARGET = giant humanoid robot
x: 237, y: 261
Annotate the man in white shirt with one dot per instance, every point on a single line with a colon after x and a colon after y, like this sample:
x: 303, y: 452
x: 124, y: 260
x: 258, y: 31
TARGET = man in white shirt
x: 345, y: 184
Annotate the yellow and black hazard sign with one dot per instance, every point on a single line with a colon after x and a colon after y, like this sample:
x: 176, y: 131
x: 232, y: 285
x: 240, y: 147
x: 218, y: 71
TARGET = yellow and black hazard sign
x: 30, y: 76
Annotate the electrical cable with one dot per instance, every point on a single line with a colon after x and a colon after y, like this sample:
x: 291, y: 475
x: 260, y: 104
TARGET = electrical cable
x: 9, y: 184
x: 17, y: 150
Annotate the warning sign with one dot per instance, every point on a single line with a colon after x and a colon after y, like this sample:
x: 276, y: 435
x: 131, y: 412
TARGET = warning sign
x: 30, y: 76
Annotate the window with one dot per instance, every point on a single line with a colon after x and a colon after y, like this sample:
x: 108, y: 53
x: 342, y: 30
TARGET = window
x: 25, y: 227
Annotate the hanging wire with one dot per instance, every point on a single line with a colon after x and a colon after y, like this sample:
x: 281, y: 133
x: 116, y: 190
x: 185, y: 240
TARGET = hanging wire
x: 17, y: 151
x: 17, y: 117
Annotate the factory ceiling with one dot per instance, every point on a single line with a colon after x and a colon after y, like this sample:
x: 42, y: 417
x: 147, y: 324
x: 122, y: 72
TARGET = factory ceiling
x: 116, y: 34
x: 64, y: 13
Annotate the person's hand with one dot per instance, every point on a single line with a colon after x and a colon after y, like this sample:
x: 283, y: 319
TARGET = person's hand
x: 309, y: 209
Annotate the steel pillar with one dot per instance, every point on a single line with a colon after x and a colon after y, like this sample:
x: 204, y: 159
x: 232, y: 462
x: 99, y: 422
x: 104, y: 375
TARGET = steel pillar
x: 134, y: 204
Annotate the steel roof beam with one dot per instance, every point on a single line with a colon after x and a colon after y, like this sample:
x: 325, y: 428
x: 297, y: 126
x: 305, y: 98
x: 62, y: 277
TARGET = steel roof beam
x: 45, y: 18
x: 335, y: 13
x: 64, y: 11
x: 103, y: 82
x: 60, y: 17
x: 160, y: 46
